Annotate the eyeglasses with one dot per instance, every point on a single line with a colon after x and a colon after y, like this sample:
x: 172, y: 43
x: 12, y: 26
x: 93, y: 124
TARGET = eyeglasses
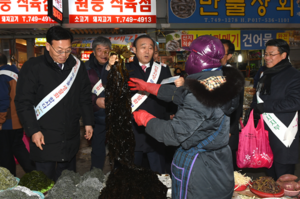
x: 271, y: 55
x: 62, y: 52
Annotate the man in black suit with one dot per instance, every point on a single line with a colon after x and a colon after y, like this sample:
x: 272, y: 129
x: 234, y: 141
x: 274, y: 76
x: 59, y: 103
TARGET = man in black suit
x: 141, y: 68
x: 238, y: 113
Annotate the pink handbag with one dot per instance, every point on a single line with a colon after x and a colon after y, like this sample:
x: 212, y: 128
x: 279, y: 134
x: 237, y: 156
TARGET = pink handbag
x: 254, y: 149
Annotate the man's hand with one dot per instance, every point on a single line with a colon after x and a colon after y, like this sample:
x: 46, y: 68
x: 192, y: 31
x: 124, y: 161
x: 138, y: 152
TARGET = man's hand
x: 38, y: 139
x: 101, y: 102
x: 179, y: 82
x: 88, y: 132
x: 112, y: 61
x: 172, y: 116
x: 0, y: 127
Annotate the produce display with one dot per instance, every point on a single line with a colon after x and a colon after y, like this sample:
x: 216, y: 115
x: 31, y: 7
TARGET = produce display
x: 266, y: 185
x: 7, y: 180
x: 16, y: 194
x: 240, y: 179
x: 288, y: 182
x: 72, y: 185
x: 36, y: 180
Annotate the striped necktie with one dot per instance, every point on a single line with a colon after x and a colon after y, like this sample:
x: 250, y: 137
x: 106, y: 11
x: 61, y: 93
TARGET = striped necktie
x: 144, y: 68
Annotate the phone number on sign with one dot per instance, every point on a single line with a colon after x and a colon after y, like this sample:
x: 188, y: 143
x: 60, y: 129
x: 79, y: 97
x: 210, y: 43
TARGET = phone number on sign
x: 246, y: 20
x: 111, y: 19
x: 25, y: 19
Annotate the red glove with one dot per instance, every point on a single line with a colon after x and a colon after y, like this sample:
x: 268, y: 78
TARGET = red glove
x: 142, y: 117
x: 141, y: 85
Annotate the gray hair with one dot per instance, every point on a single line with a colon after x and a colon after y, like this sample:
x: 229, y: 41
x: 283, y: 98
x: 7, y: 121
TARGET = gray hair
x: 101, y: 41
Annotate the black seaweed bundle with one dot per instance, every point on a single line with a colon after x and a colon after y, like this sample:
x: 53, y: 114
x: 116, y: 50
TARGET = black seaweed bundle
x: 266, y: 185
x: 133, y: 183
x: 119, y: 133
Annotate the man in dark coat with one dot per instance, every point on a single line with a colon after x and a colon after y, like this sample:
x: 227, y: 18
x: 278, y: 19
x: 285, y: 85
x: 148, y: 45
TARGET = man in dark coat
x: 55, y: 136
x: 141, y: 67
x: 278, y: 98
x: 236, y: 116
x: 95, y: 67
x: 202, y: 166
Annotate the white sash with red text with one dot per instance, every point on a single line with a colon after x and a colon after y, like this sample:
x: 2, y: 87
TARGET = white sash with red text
x: 10, y: 74
x: 285, y: 134
x: 98, y: 88
x: 141, y: 96
x: 58, y: 93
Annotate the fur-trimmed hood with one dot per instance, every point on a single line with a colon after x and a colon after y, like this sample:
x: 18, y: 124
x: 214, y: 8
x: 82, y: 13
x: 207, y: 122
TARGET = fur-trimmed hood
x: 221, y: 95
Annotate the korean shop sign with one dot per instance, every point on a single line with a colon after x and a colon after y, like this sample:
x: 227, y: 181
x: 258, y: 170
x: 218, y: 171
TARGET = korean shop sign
x: 55, y: 10
x: 175, y: 41
x: 257, y: 39
x: 234, y: 11
x: 24, y: 11
x: 112, y: 11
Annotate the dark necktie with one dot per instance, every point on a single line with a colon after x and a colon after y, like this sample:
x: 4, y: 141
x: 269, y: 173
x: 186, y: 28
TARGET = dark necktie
x: 60, y: 66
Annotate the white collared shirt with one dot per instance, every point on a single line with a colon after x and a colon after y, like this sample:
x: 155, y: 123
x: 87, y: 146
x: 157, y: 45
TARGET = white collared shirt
x: 147, y: 65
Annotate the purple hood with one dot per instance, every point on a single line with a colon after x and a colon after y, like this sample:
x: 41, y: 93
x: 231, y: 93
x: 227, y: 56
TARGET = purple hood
x: 206, y: 52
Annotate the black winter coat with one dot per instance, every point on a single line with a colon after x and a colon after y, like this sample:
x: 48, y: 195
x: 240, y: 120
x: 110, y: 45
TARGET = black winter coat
x: 155, y: 106
x: 60, y: 126
x: 284, y: 102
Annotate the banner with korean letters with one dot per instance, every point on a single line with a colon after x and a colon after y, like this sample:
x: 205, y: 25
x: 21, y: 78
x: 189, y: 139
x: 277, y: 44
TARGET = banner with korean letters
x: 24, y: 11
x: 112, y: 11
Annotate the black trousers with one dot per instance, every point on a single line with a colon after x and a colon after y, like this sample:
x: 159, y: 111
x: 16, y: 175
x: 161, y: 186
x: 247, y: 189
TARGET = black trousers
x: 54, y: 169
x: 278, y: 170
x: 11, y: 144
x: 98, y: 146
x: 156, y: 160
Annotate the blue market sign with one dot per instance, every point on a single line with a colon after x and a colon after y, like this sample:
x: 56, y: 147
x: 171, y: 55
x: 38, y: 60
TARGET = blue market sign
x: 234, y: 11
x: 257, y: 39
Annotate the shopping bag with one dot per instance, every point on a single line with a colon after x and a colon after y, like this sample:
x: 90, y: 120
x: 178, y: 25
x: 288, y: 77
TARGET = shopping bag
x: 254, y: 149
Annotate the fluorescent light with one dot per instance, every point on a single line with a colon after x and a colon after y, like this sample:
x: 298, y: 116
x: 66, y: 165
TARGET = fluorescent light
x: 240, y: 58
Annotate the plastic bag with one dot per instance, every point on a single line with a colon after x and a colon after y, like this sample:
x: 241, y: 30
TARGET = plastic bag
x: 254, y: 149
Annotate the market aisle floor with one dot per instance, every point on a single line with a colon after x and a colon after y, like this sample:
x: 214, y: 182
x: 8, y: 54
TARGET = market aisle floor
x: 84, y: 162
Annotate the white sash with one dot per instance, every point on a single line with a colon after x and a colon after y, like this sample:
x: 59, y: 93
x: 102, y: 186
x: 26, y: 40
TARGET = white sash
x: 285, y: 134
x: 10, y: 74
x: 58, y: 93
x: 141, y: 96
x: 98, y: 88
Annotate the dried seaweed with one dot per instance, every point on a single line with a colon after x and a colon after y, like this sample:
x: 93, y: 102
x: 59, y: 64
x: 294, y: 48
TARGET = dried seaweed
x: 71, y: 185
x: 119, y: 133
x: 133, y: 183
x: 7, y: 180
x: 36, y: 180
x: 266, y: 185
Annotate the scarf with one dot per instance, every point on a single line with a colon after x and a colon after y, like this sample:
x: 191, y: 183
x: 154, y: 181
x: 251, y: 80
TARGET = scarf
x: 266, y: 81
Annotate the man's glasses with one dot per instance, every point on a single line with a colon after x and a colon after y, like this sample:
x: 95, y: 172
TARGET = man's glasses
x: 271, y: 55
x: 61, y: 52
